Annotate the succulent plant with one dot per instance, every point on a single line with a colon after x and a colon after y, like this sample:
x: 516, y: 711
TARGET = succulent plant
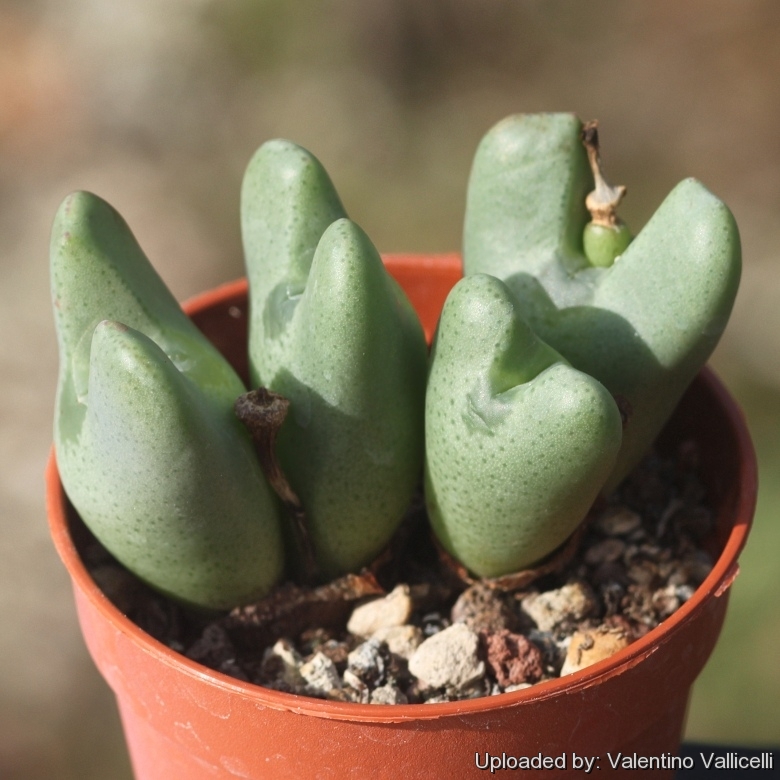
x: 518, y: 443
x: 644, y: 325
x: 148, y: 448
x: 556, y: 361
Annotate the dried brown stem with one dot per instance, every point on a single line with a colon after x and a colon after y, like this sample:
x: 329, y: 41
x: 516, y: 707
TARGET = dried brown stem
x: 602, y: 203
x: 262, y: 411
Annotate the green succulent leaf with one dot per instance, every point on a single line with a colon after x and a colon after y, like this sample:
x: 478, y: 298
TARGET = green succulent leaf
x: 344, y: 345
x: 518, y: 443
x: 98, y: 271
x: 169, y: 486
x: 148, y: 448
x: 287, y: 202
x: 645, y: 325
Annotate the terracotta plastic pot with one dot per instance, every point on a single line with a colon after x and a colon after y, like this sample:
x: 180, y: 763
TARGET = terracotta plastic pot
x: 185, y: 722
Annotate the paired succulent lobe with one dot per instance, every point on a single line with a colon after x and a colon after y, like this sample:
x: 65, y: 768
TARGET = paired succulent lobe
x: 333, y: 333
x: 148, y: 448
x: 643, y: 326
x: 518, y: 443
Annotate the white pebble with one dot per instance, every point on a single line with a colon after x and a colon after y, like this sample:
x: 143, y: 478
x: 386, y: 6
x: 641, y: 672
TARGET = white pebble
x: 448, y: 658
x: 291, y: 662
x: 400, y: 640
x: 394, y: 609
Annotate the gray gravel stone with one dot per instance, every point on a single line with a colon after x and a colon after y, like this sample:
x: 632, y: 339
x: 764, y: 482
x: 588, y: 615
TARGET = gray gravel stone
x: 366, y: 662
x: 643, y: 572
x: 355, y: 689
x: 666, y: 601
x: 448, y: 658
x: 605, y: 551
x: 433, y: 622
x: 320, y: 674
x: 483, y: 608
x: 697, y: 565
x: 559, y: 608
x: 388, y: 694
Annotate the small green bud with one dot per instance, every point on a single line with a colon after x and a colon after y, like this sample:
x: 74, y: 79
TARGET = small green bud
x: 603, y: 244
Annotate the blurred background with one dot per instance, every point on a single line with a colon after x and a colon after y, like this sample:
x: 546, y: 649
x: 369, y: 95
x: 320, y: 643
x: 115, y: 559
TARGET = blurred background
x: 157, y: 105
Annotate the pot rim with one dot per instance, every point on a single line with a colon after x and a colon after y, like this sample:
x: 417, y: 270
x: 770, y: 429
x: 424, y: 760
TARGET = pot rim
x: 716, y: 584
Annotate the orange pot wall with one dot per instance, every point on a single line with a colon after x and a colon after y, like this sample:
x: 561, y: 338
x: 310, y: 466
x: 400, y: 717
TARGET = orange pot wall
x: 186, y: 722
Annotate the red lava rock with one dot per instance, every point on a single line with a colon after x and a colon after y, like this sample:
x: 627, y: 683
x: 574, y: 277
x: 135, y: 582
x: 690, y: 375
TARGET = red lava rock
x: 513, y: 658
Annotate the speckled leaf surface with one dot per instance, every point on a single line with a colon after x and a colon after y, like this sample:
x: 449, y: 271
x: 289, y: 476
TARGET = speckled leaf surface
x: 518, y: 443
x: 644, y: 326
x: 148, y: 448
x: 287, y: 202
x: 334, y: 333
